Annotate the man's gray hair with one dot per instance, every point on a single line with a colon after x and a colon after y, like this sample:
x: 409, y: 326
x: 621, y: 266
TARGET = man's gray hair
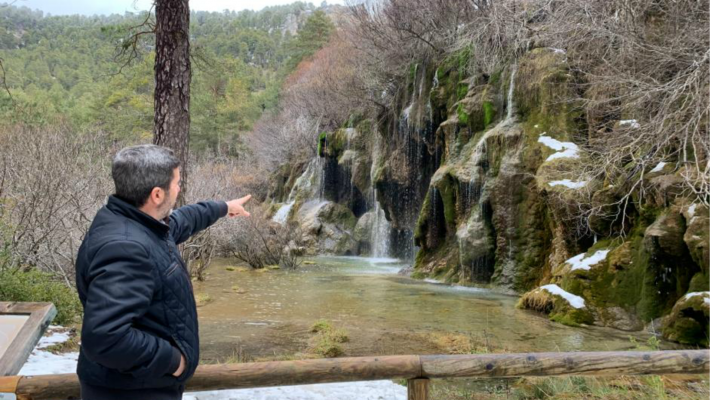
x: 138, y: 169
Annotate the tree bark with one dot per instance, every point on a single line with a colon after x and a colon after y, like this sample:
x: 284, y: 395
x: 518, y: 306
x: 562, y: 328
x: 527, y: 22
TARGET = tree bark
x: 173, y: 73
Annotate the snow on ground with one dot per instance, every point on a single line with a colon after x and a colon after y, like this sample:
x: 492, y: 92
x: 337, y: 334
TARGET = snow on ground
x: 632, y: 122
x: 582, y: 262
x: 658, y: 167
x: 564, y: 149
x: 42, y: 362
x: 694, y: 294
x: 691, y: 210
x: 575, y: 301
x: 569, y: 183
x: 372, y: 390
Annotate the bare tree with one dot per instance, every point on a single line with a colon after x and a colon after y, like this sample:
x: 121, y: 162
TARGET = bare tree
x: 644, y: 73
x: 48, y: 202
x: 260, y: 242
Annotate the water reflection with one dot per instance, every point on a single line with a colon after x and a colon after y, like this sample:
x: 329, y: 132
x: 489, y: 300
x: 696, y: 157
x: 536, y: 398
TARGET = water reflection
x: 270, y: 312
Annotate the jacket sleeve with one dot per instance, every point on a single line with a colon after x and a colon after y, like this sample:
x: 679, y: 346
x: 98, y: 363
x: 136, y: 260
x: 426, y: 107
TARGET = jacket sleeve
x: 189, y: 220
x: 120, y: 288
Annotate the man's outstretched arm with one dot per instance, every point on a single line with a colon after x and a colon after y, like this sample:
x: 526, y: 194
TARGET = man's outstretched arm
x: 189, y: 220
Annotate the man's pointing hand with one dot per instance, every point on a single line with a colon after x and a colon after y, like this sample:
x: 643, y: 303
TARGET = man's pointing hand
x: 235, y: 207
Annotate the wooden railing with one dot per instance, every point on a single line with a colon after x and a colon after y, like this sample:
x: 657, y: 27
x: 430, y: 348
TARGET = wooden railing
x: 416, y: 369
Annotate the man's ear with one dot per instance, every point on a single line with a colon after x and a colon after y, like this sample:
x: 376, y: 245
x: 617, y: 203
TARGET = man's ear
x: 157, y: 196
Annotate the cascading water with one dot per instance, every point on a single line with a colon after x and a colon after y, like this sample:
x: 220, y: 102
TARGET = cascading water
x: 283, y: 212
x: 380, y: 227
x: 480, y: 266
x: 309, y: 185
x: 510, y: 94
x: 380, y: 232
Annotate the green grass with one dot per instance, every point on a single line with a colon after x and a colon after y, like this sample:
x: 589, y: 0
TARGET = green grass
x: 575, y: 387
x: 328, y: 340
x: 36, y: 286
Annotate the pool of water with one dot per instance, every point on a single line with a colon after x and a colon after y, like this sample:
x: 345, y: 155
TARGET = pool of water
x: 268, y: 314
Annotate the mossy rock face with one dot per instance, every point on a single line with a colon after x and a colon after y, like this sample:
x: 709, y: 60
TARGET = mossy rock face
x: 697, y: 240
x: 441, y: 263
x: 327, y: 227
x: 641, y: 276
x: 688, y: 322
x: 543, y: 83
x: 282, y: 180
x: 479, y: 108
x: 665, y: 236
x: 556, y: 307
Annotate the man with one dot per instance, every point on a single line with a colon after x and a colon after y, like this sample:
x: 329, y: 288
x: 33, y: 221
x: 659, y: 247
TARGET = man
x: 140, y: 330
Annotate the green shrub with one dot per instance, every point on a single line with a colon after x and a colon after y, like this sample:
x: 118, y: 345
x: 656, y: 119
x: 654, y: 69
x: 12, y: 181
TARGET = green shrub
x: 36, y: 286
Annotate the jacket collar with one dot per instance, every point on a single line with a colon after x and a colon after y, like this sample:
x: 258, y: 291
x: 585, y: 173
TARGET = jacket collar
x: 121, y: 207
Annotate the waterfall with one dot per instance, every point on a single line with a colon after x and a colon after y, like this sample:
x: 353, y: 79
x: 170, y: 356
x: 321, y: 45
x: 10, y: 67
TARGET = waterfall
x: 380, y: 231
x: 283, y: 212
x: 309, y: 185
x: 510, y: 94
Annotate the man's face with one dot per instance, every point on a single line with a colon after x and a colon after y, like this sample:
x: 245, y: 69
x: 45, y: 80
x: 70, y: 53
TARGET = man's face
x: 171, y: 196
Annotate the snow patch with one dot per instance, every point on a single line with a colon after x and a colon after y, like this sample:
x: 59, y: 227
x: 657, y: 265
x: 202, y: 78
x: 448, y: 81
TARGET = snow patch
x: 632, y: 122
x: 695, y: 294
x: 564, y: 149
x: 575, y: 301
x: 569, y: 183
x: 658, y: 167
x: 369, y: 390
x: 691, y: 210
x: 43, y: 362
x: 585, y: 263
x: 557, y: 51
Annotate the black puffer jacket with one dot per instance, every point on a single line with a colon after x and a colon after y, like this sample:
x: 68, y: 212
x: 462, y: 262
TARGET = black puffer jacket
x: 139, y: 309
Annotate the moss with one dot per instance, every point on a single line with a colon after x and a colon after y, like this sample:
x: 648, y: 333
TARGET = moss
x: 448, y: 190
x: 558, y: 309
x: 321, y: 141
x: 462, y: 89
x: 462, y: 116
x: 488, y: 111
x: 321, y: 325
x: 495, y: 77
x: 412, y: 73
x: 688, y: 323
x: 699, y: 283
x: 326, y: 342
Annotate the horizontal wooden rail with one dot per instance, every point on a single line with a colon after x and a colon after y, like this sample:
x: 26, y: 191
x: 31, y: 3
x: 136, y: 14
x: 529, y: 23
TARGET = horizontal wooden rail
x: 416, y: 368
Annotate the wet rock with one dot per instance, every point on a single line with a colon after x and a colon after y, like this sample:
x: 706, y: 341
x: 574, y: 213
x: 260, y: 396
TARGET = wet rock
x: 688, y: 323
x: 697, y: 240
x: 328, y: 227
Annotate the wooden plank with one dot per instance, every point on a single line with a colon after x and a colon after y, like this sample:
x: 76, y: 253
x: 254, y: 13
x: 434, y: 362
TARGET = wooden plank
x: 418, y: 389
x: 248, y: 375
x: 279, y: 373
x: 562, y: 364
x: 40, y: 315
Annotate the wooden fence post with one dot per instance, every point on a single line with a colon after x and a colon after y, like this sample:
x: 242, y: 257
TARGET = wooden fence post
x: 418, y: 389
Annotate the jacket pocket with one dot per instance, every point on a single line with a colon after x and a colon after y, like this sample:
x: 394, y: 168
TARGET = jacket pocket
x: 183, y: 376
x: 173, y: 268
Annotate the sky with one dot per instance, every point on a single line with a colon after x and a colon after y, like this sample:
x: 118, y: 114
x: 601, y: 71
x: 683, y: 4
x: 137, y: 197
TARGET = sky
x: 90, y: 7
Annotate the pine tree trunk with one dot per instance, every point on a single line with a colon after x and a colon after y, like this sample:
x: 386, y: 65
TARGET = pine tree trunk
x: 173, y: 74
